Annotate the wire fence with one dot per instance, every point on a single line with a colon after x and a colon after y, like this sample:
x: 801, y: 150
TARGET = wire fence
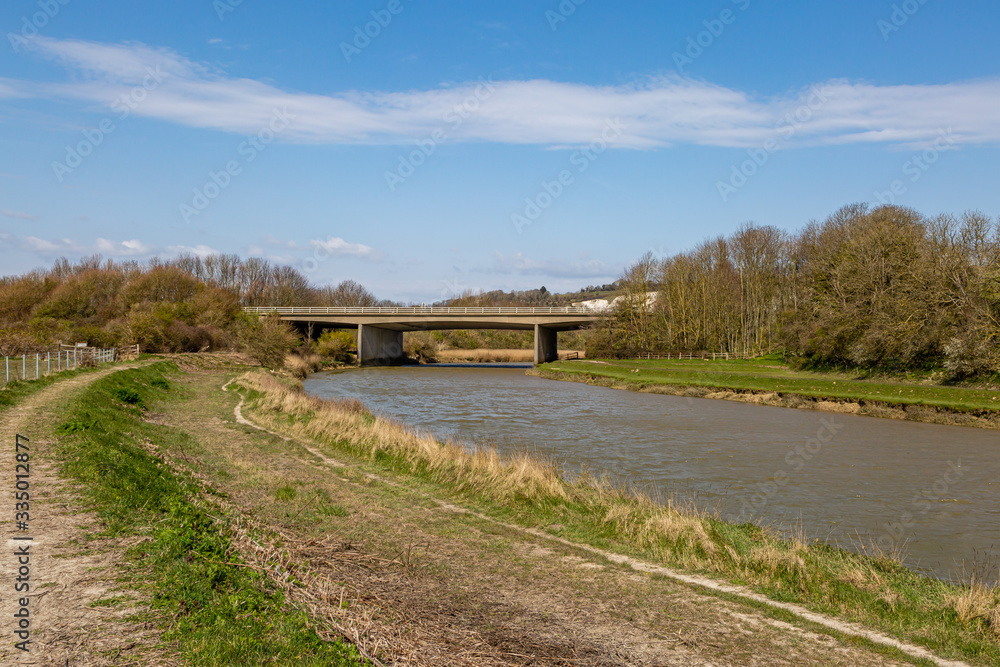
x: 29, y: 367
x: 695, y: 355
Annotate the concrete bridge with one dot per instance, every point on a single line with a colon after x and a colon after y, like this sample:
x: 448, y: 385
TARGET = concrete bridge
x: 380, y: 330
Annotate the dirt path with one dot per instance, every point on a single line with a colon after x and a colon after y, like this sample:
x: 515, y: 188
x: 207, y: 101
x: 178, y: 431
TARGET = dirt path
x: 76, y: 605
x: 423, y: 584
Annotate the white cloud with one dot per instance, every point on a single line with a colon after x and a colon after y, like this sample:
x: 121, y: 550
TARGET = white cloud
x: 336, y: 246
x: 130, y: 248
x: 108, y: 248
x: 53, y: 247
x: 19, y: 215
x: 556, y: 268
x: 657, y: 111
x: 199, y: 250
x: 122, y: 248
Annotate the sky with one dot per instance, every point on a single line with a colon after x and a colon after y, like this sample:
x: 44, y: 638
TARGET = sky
x: 428, y: 148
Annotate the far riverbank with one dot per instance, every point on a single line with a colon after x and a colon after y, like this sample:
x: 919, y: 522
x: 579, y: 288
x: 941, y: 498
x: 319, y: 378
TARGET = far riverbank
x: 768, y: 382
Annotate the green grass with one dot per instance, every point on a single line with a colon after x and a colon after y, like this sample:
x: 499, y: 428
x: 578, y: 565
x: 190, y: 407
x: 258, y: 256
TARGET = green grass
x: 772, y: 375
x: 219, y: 612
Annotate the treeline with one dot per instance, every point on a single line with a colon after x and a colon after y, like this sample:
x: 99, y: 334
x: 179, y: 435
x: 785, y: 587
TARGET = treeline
x: 877, y: 288
x: 540, y: 297
x: 184, y: 304
x: 498, y: 298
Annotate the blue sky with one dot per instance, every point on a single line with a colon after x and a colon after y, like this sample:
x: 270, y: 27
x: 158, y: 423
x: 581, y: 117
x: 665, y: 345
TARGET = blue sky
x: 474, y: 145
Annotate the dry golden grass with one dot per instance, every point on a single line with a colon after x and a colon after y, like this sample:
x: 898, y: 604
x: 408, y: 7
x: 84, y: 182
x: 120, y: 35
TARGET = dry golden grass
x: 635, y: 516
x: 979, y: 601
x: 485, y: 356
x: 488, y: 356
x: 301, y: 365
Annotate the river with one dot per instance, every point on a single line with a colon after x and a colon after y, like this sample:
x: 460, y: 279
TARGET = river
x: 934, y: 490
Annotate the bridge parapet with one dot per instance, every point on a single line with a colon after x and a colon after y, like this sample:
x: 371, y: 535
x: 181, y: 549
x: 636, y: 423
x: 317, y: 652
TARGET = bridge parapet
x: 420, y: 310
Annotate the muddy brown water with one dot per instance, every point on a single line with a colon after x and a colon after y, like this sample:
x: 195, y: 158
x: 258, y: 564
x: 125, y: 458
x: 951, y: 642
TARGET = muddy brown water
x: 933, y: 490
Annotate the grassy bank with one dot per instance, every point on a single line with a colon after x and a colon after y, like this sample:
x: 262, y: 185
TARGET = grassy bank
x: 211, y: 606
x: 771, y: 382
x: 875, y: 590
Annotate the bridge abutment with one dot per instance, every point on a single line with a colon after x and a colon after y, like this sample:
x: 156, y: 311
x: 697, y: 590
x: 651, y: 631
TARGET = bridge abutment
x: 377, y: 345
x: 546, y: 344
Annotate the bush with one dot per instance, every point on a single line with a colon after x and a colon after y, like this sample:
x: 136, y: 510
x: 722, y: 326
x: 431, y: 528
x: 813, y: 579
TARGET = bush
x: 268, y: 341
x: 183, y: 337
x: 421, y: 350
x: 970, y: 354
x: 15, y: 342
x: 337, y: 345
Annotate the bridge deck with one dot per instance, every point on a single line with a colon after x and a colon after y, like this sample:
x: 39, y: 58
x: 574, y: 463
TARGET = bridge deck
x: 431, y: 318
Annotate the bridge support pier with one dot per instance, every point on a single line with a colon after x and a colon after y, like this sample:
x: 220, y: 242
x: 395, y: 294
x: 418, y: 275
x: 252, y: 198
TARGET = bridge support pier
x: 546, y: 344
x: 379, y: 346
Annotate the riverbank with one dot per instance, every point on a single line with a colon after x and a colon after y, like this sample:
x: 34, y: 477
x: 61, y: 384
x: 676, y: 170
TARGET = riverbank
x: 334, y: 523
x: 766, y: 382
x: 873, y: 590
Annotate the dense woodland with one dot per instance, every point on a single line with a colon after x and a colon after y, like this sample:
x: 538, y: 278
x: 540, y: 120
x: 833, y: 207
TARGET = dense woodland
x: 877, y: 288
x: 186, y: 304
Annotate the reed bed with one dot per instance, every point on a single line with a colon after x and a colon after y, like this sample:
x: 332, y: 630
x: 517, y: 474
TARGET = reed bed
x: 485, y: 356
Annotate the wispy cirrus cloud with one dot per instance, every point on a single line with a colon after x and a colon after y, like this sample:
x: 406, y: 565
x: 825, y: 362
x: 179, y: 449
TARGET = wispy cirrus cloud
x: 52, y: 248
x: 656, y: 111
x: 49, y: 248
x: 200, y: 250
x: 19, y: 215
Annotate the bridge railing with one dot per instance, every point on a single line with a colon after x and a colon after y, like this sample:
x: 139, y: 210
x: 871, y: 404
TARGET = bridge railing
x: 420, y: 310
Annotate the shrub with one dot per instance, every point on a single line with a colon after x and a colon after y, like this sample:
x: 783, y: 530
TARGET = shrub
x: 970, y: 354
x: 337, y: 345
x: 15, y: 342
x: 421, y: 350
x: 183, y: 337
x: 268, y: 341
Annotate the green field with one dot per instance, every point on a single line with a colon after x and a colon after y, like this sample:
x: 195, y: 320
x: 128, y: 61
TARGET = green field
x: 771, y: 375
